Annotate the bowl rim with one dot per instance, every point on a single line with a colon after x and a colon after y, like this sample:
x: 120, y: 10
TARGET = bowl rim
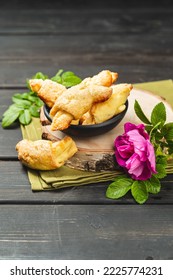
x: 115, y: 118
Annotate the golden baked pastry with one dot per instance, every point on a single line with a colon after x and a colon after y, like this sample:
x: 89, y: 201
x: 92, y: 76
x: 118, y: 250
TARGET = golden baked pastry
x: 45, y: 154
x: 114, y: 105
x: 77, y: 100
x: 47, y: 90
x: 104, y: 78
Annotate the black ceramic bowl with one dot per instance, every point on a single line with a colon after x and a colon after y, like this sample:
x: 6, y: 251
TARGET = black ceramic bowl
x: 90, y: 130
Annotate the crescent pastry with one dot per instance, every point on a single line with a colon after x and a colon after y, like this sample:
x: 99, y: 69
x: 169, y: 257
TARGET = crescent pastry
x: 45, y: 154
x: 47, y: 90
x: 114, y: 105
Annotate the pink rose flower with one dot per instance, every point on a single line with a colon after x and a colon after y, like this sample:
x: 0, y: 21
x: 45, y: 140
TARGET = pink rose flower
x: 135, y: 153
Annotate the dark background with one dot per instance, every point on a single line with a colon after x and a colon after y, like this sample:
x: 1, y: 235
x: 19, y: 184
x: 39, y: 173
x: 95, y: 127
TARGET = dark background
x: 75, y: 4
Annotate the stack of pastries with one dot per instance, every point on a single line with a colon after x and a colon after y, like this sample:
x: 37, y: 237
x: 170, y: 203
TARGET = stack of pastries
x: 93, y: 101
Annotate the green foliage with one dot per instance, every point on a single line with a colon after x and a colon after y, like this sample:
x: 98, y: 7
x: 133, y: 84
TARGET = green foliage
x: 67, y: 79
x: 119, y: 187
x: 27, y: 105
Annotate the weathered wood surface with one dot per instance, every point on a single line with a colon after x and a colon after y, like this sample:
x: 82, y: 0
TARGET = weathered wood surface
x: 34, y: 41
x: 15, y: 189
x: 80, y: 222
x: 86, y: 232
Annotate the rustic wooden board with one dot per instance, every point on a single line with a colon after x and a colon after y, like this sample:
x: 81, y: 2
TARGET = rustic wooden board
x: 86, y: 232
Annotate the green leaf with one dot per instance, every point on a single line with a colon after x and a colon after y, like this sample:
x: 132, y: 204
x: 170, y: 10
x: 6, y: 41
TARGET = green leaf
x: 139, y: 192
x: 25, y: 95
x: 140, y: 113
x: 40, y: 75
x: 11, y: 115
x: 69, y: 79
x: 25, y: 117
x: 161, y: 171
x: 18, y: 95
x: 10, y: 109
x: 35, y: 111
x: 119, y: 187
x: 33, y: 98
x: 57, y: 79
x: 158, y: 114
x: 170, y: 147
x: 22, y: 102
x: 153, y: 185
x: 167, y: 131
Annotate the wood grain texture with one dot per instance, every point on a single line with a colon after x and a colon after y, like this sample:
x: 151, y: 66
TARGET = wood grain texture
x: 86, y: 232
x: 84, y: 37
x: 51, y: 39
x: 67, y: 21
x: 15, y: 189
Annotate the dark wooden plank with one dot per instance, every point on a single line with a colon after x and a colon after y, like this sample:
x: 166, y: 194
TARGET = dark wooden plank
x: 52, y: 46
x: 15, y: 188
x: 86, y: 232
x: 116, y: 21
x: 6, y: 98
x: 8, y: 139
x: 130, y: 56
x: 84, y: 67
x: 78, y: 4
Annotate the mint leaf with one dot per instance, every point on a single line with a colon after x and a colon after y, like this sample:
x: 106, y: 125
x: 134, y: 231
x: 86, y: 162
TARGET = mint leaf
x: 25, y: 118
x: 11, y: 115
x: 40, y: 75
x: 140, y: 113
x: 158, y: 114
x: 57, y: 78
x: 139, y: 192
x: 67, y: 79
x: 28, y: 104
x: 34, y: 110
x: 153, y: 185
x: 22, y: 102
x: 119, y: 187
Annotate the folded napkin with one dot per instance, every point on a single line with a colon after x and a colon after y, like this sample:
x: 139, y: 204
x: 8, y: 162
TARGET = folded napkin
x: 68, y: 177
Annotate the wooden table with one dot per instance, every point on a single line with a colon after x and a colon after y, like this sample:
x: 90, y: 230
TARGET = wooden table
x: 80, y: 223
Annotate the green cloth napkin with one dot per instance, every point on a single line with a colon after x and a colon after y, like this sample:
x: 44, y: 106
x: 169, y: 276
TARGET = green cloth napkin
x: 68, y: 177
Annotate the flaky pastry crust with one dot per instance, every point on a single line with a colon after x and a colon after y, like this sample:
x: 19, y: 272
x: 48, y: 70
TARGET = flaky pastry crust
x: 77, y: 100
x: 47, y: 90
x: 44, y: 154
x: 114, y: 105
